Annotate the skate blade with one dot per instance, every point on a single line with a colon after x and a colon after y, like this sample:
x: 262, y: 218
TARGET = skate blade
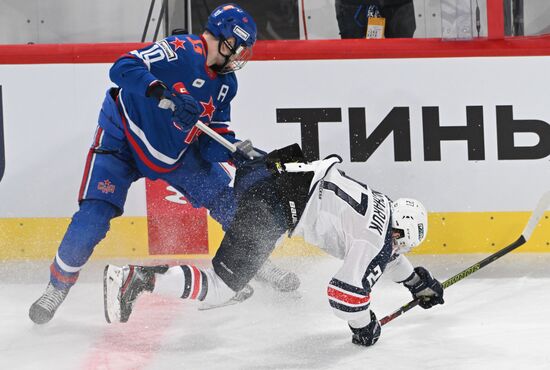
x: 112, y: 282
x: 239, y: 297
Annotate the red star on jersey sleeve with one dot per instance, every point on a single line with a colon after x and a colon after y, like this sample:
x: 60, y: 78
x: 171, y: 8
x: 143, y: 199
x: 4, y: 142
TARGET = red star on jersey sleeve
x: 178, y: 44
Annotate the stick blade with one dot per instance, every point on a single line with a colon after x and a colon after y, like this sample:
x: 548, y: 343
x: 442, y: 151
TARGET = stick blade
x: 537, y: 214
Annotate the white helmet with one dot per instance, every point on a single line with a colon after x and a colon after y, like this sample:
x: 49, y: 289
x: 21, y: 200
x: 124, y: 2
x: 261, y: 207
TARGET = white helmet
x: 410, y: 221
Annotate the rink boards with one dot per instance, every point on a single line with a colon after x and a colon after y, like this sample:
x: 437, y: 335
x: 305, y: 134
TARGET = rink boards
x: 468, y: 135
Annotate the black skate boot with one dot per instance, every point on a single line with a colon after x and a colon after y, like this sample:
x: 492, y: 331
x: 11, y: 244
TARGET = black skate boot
x: 123, y: 285
x: 44, y: 308
x: 278, y: 278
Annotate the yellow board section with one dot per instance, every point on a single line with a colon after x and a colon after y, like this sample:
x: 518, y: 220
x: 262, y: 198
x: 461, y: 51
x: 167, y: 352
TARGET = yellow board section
x: 451, y: 232
x: 38, y: 238
x: 482, y: 232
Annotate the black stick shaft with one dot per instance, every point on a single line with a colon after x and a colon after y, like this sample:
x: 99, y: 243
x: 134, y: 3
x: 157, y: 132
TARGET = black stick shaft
x: 536, y: 215
x: 493, y: 257
x: 461, y: 275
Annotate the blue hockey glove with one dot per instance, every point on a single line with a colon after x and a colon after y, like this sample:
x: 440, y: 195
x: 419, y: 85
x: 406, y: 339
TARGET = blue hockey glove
x: 368, y: 335
x: 425, y: 288
x: 186, y: 110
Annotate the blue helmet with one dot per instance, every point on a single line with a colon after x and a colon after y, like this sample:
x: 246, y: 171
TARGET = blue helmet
x: 230, y: 20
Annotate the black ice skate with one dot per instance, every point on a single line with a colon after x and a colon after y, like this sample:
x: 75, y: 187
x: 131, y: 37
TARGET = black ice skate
x: 123, y: 285
x: 278, y: 278
x: 44, y: 308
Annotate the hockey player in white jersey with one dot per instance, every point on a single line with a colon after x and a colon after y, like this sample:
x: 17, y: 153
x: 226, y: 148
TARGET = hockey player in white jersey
x: 317, y: 201
x: 371, y: 234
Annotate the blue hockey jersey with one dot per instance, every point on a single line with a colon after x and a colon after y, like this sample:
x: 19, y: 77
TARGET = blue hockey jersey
x: 159, y: 144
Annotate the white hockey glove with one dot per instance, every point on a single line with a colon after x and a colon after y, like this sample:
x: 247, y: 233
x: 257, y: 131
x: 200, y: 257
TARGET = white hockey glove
x: 245, y: 153
x: 246, y: 150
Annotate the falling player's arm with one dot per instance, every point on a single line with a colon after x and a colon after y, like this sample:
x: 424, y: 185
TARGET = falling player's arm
x: 399, y: 268
x: 350, y: 288
x: 417, y: 280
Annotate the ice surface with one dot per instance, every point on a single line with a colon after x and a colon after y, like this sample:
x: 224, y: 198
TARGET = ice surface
x: 497, y: 318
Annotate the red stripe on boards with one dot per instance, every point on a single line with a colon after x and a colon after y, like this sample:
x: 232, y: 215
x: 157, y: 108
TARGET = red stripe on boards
x: 271, y: 50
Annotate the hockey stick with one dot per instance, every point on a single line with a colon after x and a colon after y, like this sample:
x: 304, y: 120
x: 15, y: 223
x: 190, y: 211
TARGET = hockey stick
x: 537, y: 214
x: 245, y: 148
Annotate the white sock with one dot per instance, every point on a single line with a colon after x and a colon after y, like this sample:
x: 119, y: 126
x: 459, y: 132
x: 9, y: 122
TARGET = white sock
x: 188, y: 281
x: 171, y: 283
x: 218, y: 291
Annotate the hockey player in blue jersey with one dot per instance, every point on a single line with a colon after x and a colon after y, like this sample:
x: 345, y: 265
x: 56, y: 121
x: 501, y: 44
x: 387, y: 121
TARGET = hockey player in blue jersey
x: 137, y: 137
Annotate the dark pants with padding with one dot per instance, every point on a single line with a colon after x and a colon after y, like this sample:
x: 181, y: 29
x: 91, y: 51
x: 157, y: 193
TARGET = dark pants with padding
x: 258, y: 224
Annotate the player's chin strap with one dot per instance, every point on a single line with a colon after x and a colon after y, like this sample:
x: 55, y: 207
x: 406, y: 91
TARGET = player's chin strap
x: 224, y: 68
x: 240, y: 54
x: 244, y: 148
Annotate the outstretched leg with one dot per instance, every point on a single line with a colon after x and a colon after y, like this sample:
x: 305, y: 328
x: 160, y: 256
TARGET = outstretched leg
x: 258, y: 224
x: 123, y: 285
x: 221, y: 200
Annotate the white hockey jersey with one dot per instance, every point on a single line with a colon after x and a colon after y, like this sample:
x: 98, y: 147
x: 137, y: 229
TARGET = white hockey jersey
x: 350, y: 221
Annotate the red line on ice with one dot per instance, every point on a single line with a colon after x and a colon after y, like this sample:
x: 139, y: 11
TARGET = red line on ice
x: 133, y: 345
